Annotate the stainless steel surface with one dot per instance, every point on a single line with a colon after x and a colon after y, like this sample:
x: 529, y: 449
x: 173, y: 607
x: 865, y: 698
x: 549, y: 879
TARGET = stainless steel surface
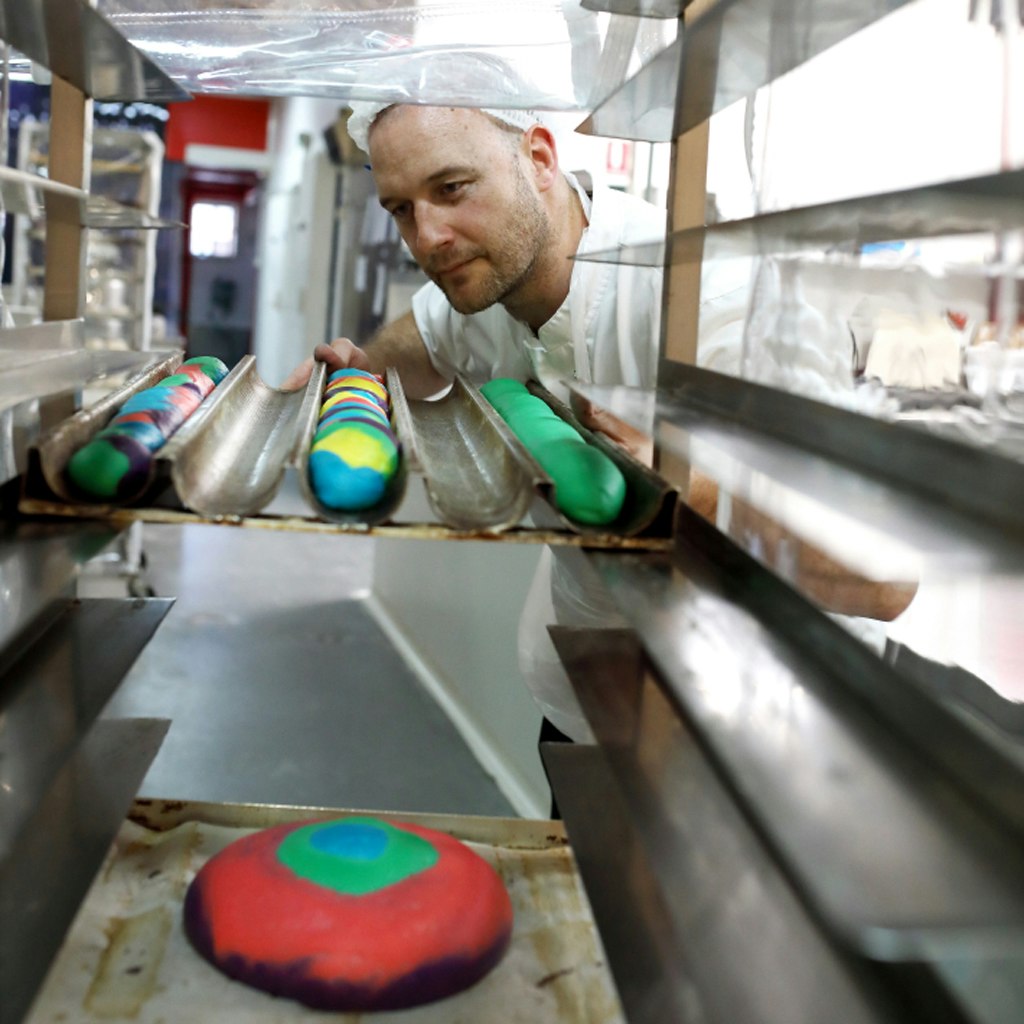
x: 230, y: 456
x: 38, y: 565
x: 727, y: 53
x: 901, y: 823
x: 931, y: 500
x: 53, y: 692
x: 48, y: 456
x: 991, y: 203
x: 39, y: 385
x: 25, y: 377
x: 122, y: 517
x: 476, y: 477
x: 638, y: 8
x: 82, y: 47
x: 653, y: 982
x: 741, y: 935
x: 52, y: 861
x: 30, y: 195
x: 160, y: 814
x: 229, y: 459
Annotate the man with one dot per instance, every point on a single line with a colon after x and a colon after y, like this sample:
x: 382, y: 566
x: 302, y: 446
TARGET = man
x: 480, y: 200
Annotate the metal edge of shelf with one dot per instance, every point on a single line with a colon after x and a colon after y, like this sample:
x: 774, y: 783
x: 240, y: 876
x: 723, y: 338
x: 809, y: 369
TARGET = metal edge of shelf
x: 56, y: 687
x: 54, y: 860
x: 645, y: 107
x: 124, y: 516
x: 79, y: 45
x: 638, y: 8
x: 979, y: 484
x: 908, y: 531
x: 624, y: 895
x: 961, y: 771
x: 722, y: 889
x: 987, y: 203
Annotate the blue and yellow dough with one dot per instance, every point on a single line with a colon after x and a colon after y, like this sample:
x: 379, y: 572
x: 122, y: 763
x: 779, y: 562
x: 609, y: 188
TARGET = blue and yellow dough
x: 116, y: 463
x: 355, y: 453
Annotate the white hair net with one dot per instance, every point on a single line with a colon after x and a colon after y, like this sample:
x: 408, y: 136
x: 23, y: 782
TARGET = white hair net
x: 364, y: 113
x: 457, y: 79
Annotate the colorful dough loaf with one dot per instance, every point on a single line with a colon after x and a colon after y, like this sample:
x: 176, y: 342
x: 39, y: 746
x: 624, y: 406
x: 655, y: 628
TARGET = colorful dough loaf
x: 355, y: 914
x: 116, y: 463
x: 589, y: 487
x: 355, y: 452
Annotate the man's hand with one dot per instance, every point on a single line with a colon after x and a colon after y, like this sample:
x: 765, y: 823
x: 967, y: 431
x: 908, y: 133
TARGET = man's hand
x: 593, y: 417
x: 339, y: 355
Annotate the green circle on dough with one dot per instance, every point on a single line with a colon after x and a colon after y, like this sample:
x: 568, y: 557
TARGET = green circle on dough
x: 98, y: 468
x: 404, y: 854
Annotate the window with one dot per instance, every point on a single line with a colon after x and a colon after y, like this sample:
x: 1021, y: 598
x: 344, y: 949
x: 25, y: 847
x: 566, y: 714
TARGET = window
x: 213, y: 229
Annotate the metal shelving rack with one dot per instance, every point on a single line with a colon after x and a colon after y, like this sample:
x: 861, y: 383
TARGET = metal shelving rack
x: 67, y: 775
x: 777, y: 824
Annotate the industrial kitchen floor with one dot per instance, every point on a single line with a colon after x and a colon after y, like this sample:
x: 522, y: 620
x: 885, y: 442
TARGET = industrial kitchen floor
x: 280, y: 685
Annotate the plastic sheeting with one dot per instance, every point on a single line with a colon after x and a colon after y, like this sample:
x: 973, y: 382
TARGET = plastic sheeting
x: 543, y: 54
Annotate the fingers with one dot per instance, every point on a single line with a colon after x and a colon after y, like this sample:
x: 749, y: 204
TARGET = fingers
x: 299, y: 377
x: 339, y: 355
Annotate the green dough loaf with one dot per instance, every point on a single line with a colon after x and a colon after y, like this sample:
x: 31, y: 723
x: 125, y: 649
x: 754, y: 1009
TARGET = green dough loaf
x: 589, y: 487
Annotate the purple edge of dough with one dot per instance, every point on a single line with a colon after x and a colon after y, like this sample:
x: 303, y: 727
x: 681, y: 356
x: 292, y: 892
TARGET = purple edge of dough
x: 426, y: 984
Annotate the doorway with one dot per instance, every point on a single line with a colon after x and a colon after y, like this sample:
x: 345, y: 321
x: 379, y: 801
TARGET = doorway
x: 219, y: 275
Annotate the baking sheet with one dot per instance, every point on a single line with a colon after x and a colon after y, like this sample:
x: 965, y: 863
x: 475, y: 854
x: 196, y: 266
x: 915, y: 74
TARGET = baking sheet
x: 126, y: 957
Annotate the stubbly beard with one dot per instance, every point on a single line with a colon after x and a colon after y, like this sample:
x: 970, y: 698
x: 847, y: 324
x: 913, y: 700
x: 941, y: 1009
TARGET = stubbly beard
x: 512, y: 254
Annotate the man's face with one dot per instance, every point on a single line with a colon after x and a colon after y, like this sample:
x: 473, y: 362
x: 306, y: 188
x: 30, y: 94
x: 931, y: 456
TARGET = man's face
x: 458, y: 189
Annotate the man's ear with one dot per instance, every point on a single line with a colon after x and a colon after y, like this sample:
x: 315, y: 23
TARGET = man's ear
x: 542, y: 153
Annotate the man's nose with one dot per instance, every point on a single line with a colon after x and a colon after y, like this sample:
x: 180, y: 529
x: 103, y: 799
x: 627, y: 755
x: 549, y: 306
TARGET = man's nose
x: 432, y: 227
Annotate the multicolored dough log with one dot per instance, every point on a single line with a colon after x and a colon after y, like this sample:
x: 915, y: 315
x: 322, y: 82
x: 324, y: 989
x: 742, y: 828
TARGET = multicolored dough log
x: 116, y: 463
x: 351, y: 915
x: 589, y: 487
x: 355, y: 452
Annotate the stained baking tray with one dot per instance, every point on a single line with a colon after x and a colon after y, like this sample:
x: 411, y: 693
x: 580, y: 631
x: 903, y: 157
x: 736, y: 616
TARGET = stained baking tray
x: 231, y: 457
x: 126, y: 955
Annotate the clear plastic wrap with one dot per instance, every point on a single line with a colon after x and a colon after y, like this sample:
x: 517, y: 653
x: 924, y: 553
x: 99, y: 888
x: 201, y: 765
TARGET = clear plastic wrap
x: 375, y: 49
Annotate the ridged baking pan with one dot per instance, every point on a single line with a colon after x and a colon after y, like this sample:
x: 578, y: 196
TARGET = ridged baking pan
x: 230, y: 458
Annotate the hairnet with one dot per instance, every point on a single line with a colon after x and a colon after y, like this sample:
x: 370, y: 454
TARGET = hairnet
x: 364, y: 113
x: 458, y: 79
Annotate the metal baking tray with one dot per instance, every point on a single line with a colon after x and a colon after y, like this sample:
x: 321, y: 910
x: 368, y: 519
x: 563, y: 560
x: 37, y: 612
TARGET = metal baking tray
x: 229, y: 460
x: 126, y: 955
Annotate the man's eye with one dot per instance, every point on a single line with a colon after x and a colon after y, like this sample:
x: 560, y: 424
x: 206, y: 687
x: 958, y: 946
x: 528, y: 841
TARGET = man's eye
x: 399, y: 210
x: 450, y: 189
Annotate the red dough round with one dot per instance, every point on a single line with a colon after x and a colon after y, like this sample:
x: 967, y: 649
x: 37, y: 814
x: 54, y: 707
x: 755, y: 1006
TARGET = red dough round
x: 428, y: 935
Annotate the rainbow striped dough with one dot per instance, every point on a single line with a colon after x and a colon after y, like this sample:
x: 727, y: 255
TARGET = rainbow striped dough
x: 355, y: 452
x: 589, y: 487
x: 116, y: 463
x: 355, y: 914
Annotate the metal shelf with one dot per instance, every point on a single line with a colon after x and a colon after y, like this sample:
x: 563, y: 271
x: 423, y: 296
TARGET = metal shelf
x: 80, y: 46
x: 726, y: 54
x: 990, y: 203
x: 670, y: 862
x: 33, y: 196
x: 638, y: 8
x: 66, y: 779
x: 947, y: 502
x: 900, y: 823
